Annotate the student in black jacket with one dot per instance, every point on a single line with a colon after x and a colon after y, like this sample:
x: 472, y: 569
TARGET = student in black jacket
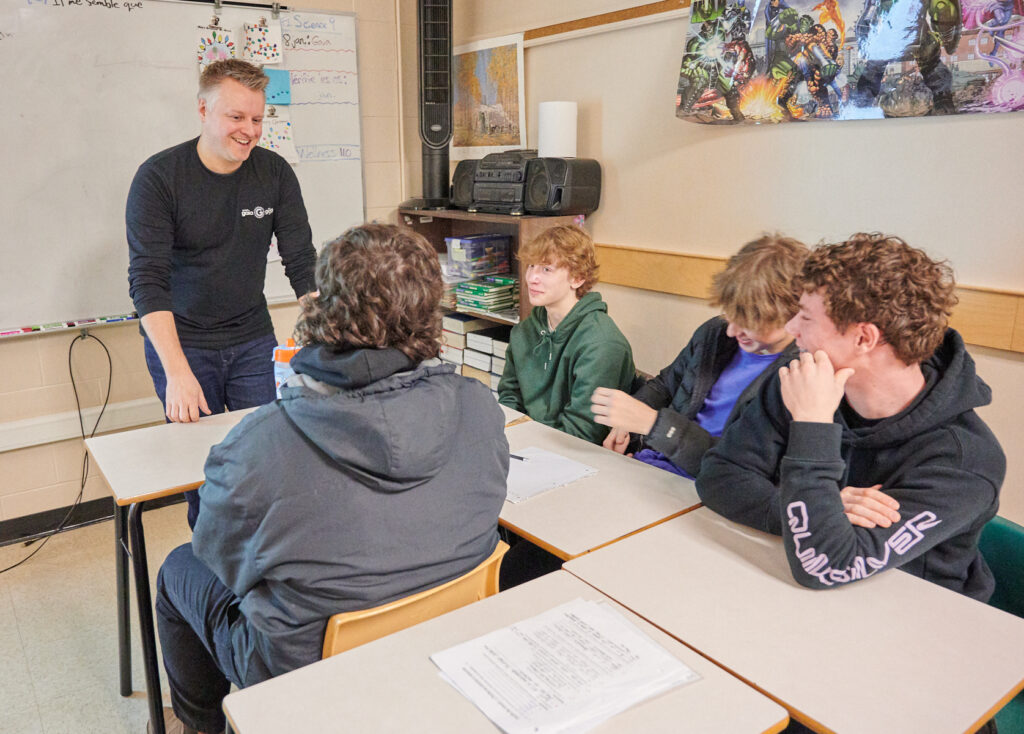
x: 866, y: 452
x: 678, y: 415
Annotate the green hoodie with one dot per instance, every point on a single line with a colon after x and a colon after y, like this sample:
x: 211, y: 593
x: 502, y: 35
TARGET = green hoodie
x: 550, y: 375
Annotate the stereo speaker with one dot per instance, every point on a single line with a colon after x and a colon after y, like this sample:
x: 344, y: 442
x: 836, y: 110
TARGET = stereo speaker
x: 462, y: 184
x: 562, y: 186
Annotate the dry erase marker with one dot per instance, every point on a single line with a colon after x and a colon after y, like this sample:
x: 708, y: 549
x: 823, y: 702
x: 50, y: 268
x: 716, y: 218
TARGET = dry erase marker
x: 12, y: 332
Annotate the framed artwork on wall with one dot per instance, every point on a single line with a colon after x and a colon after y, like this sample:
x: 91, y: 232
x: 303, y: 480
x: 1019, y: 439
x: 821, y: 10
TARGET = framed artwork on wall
x: 790, y: 60
x: 488, y: 108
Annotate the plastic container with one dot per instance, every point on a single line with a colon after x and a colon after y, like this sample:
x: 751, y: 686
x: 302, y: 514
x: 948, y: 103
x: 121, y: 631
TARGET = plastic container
x: 283, y: 354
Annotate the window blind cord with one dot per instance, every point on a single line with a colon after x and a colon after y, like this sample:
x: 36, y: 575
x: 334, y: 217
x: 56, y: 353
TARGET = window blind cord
x: 85, y: 454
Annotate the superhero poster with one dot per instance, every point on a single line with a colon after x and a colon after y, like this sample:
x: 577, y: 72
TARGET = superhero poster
x: 755, y: 61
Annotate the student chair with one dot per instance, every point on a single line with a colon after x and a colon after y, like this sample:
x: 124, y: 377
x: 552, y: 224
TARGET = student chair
x: 1002, y: 545
x: 352, y: 629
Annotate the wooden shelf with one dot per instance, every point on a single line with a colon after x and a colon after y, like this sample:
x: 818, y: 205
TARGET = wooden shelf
x: 436, y: 224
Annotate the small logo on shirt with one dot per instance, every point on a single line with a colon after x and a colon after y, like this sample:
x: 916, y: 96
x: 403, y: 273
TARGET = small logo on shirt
x: 259, y: 212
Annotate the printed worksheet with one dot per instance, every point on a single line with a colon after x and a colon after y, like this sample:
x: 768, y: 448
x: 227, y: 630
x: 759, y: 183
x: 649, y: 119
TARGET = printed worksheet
x: 564, y: 671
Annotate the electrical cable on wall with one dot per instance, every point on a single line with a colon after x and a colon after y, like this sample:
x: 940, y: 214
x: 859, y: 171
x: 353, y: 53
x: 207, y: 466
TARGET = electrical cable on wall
x: 85, y: 335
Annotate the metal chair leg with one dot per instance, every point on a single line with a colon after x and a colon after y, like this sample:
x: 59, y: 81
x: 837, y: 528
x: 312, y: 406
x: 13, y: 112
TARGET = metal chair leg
x: 124, y: 643
x: 147, y: 629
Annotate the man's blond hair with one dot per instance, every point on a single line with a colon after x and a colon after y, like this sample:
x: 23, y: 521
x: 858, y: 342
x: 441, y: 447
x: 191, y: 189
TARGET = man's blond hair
x: 248, y: 75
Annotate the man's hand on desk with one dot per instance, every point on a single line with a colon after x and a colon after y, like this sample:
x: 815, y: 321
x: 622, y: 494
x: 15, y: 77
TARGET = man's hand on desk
x: 617, y: 440
x: 617, y: 409
x: 184, y: 398
x: 869, y: 507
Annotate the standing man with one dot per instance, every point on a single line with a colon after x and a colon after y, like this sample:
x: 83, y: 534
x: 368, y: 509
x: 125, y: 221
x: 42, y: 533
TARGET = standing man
x: 200, y: 219
x: 866, y: 453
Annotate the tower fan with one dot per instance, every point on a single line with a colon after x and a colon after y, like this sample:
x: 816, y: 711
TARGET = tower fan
x: 434, y: 41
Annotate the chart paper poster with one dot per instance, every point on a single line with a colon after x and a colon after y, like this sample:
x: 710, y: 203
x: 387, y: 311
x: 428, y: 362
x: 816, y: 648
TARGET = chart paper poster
x: 214, y: 44
x: 793, y: 60
x: 263, y: 44
x: 277, y: 133
x: 488, y: 110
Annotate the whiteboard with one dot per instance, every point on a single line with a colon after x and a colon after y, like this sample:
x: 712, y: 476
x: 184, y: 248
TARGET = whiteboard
x: 92, y: 88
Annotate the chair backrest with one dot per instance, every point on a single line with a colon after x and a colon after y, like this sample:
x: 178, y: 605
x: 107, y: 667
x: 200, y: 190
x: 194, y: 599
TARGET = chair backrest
x: 352, y: 629
x: 1002, y: 545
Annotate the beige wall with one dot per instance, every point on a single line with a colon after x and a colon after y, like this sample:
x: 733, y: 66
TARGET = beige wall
x: 35, y: 380
x: 943, y: 184
x: 668, y: 184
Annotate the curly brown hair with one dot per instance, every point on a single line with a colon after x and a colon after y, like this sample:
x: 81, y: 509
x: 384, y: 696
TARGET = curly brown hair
x: 248, y: 75
x: 759, y: 288
x: 380, y: 286
x: 568, y: 246
x: 879, y: 279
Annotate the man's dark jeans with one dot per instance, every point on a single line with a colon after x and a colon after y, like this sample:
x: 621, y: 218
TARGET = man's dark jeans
x: 233, y: 378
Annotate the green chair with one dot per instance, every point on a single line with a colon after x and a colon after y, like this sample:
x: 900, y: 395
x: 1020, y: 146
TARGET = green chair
x: 1002, y: 545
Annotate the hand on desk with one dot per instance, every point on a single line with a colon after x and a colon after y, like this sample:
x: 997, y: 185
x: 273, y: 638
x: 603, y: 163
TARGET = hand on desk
x: 617, y: 409
x: 184, y: 398
x: 617, y: 440
x: 869, y: 507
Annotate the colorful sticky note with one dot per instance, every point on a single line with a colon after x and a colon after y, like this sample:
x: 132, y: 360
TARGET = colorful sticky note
x: 279, y: 90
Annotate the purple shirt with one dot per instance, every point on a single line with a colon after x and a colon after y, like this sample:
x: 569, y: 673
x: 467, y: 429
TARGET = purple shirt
x: 742, y: 369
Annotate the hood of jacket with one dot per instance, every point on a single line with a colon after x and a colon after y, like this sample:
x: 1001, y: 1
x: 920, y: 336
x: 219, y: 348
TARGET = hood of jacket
x: 952, y: 387
x: 377, y: 444
x: 548, y: 344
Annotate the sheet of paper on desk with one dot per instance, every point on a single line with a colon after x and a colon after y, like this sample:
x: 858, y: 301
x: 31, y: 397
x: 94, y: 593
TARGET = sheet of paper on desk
x: 539, y: 471
x: 563, y: 671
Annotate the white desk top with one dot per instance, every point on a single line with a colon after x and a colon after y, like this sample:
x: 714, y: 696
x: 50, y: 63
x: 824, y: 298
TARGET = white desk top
x: 147, y: 463
x: 624, y: 496
x: 511, y: 414
x: 893, y: 653
x: 390, y: 685
x: 160, y: 460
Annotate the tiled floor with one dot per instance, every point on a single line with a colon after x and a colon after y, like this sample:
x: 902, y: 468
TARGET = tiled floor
x: 58, y: 632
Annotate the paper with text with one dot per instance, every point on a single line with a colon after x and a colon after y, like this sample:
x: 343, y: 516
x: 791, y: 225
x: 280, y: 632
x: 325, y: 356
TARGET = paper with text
x: 538, y: 471
x: 563, y: 671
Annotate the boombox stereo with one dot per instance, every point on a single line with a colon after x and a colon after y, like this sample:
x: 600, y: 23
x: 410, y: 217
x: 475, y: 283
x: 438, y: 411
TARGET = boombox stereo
x: 518, y: 182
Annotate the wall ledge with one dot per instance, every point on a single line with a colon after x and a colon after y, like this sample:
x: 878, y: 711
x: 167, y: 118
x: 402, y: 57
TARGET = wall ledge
x: 985, y: 317
x: 62, y: 426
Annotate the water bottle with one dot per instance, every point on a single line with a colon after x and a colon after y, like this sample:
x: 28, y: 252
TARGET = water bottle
x: 283, y: 354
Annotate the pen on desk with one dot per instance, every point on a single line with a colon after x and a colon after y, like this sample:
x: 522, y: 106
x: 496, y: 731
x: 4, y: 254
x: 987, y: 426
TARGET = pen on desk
x: 514, y: 456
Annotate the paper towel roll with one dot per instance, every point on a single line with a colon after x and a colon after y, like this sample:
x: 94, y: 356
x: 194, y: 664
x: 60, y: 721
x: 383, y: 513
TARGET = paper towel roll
x: 556, y: 136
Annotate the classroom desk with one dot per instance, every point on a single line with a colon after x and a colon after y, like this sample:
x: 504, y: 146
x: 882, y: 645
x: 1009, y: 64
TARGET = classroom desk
x: 147, y: 464
x: 142, y: 465
x: 390, y: 685
x: 623, y: 497
x: 892, y: 653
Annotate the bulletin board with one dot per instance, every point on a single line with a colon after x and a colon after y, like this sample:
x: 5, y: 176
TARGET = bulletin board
x: 92, y: 88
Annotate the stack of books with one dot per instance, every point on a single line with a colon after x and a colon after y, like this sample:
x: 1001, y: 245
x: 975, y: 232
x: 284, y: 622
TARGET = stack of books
x: 489, y: 294
x: 484, y: 355
x: 478, y: 255
x: 455, y: 327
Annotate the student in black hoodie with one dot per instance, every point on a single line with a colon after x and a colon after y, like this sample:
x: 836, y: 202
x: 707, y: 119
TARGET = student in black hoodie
x: 866, y: 452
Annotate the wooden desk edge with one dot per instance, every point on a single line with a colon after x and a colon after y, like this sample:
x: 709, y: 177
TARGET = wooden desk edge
x: 567, y: 556
x: 135, y: 499
x: 998, y: 707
